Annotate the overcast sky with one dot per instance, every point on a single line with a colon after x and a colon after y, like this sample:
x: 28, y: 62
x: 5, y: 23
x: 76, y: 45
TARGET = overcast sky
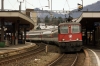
x: 56, y: 4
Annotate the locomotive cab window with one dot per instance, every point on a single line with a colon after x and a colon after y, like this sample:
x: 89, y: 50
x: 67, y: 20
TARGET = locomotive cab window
x: 63, y: 29
x: 75, y: 28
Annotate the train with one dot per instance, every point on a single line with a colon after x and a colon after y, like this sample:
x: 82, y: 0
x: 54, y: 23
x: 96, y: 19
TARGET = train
x: 67, y: 36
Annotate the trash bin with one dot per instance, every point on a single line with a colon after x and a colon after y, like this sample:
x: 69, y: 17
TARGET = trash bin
x: 2, y: 43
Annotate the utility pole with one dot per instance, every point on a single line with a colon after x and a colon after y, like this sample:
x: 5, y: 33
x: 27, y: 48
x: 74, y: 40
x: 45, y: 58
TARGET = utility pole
x: 82, y: 3
x: 2, y: 5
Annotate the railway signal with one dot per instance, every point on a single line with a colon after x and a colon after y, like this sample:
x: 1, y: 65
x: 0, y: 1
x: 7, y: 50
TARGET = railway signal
x: 80, y: 6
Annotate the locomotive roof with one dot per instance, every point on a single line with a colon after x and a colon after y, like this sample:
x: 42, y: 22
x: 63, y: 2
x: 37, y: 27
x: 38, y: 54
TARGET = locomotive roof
x: 69, y: 23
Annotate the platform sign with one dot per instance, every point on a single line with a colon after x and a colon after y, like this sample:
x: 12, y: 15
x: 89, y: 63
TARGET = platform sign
x: 96, y: 23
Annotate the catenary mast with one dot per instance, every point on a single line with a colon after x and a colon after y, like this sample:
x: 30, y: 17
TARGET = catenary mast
x: 2, y: 5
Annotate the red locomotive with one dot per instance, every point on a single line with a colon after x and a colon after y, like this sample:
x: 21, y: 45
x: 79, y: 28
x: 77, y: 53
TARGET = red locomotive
x: 67, y: 36
x: 70, y: 36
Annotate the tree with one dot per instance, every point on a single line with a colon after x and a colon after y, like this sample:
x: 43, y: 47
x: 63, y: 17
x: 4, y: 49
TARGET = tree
x: 60, y: 20
x: 54, y: 20
x: 47, y: 20
x: 38, y: 20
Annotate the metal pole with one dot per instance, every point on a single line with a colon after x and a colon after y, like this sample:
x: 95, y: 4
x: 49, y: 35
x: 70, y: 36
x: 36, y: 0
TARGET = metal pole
x: 63, y: 10
x: 20, y: 4
x: 82, y: 3
x: 20, y: 7
x: 51, y: 10
x: 46, y: 50
x: 2, y: 5
x: 51, y: 5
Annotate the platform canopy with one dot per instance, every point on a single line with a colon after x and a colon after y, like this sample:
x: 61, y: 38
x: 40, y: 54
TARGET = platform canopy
x: 14, y: 16
x: 89, y: 19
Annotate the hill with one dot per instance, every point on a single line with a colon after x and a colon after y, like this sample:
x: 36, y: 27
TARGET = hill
x: 74, y: 13
x: 92, y: 7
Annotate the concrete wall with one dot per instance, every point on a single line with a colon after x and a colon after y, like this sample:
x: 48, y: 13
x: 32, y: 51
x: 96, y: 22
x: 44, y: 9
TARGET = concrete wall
x: 33, y: 15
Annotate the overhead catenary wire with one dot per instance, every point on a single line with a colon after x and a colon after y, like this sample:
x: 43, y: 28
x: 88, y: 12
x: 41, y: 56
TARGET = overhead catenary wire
x: 66, y: 11
x: 68, y: 4
x: 25, y: 5
x: 64, y: 3
x: 33, y: 5
x: 40, y: 3
x: 30, y: 3
x: 11, y: 4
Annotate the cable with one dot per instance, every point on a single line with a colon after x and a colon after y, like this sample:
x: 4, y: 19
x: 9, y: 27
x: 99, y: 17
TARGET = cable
x: 40, y: 3
x: 68, y: 5
x: 65, y: 3
x: 11, y: 4
x: 30, y: 4
x: 25, y: 5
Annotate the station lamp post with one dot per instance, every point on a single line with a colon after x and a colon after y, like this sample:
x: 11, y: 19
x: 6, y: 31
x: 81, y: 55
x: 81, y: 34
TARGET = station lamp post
x: 21, y: 1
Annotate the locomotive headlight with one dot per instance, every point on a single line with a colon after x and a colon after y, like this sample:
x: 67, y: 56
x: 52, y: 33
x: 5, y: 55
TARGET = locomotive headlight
x: 70, y: 36
x: 63, y: 39
x: 77, y: 39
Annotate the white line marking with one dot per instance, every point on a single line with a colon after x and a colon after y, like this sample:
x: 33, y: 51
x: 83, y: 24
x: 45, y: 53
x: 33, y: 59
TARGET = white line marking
x: 98, y: 60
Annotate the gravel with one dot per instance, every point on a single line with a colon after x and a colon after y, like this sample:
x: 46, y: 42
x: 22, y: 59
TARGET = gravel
x: 41, y: 59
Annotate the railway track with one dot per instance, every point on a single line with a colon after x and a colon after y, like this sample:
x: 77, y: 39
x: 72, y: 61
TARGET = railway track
x: 20, y: 56
x: 38, y: 57
x: 65, y: 60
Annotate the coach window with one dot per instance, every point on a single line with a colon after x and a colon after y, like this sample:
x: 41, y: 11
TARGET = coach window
x: 75, y: 28
x: 64, y: 29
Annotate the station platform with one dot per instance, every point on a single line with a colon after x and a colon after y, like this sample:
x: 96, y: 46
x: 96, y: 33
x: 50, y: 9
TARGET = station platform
x: 94, y: 55
x: 16, y: 48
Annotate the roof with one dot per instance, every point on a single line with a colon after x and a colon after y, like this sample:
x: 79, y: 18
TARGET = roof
x: 89, y: 14
x: 13, y: 16
x: 88, y: 18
